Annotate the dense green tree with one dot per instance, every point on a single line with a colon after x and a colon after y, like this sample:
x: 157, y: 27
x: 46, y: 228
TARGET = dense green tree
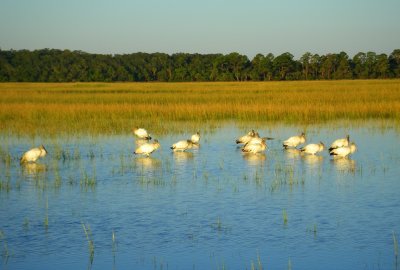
x: 283, y: 65
x: 343, y: 69
x: 394, y: 63
x: 305, y: 61
x: 51, y: 65
x: 382, y: 66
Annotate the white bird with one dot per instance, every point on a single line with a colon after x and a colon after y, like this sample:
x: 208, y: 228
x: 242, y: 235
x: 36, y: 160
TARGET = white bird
x: 33, y: 154
x: 195, y: 137
x: 340, y: 143
x: 246, y: 138
x: 344, y: 151
x: 147, y: 148
x: 255, y: 147
x: 141, y: 133
x: 313, y: 148
x: 182, y: 145
x: 295, y: 141
x: 257, y: 139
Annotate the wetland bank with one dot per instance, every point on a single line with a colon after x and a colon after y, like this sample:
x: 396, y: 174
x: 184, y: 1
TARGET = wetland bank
x: 91, y: 203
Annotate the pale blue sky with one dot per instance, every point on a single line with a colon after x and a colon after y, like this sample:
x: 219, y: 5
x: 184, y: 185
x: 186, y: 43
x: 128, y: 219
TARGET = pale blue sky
x: 202, y: 26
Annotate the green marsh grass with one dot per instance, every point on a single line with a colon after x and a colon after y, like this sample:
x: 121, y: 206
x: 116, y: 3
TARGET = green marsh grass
x: 257, y: 266
x: 285, y: 217
x: 89, y: 238
x: 91, y: 108
x: 46, y: 218
x: 5, y: 252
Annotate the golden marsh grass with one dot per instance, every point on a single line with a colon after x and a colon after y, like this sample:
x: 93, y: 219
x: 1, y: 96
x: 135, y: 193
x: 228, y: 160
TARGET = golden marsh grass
x: 108, y: 108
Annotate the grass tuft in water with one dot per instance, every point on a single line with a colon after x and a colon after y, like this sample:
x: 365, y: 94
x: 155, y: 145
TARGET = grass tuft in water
x: 114, y: 246
x: 26, y: 224
x: 396, y: 249
x: 285, y: 217
x: 5, y: 185
x: 313, y: 229
x: 46, y: 218
x: 219, y: 226
x: 5, y: 254
x: 257, y: 266
x: 88, y: 181
x: 89, y: 239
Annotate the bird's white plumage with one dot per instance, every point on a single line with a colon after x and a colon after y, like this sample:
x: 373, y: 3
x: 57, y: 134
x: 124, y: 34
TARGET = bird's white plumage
x: 294, y: 141
x: 33, y: 154
x: 313, y: 148
x: 195, y: 137
x: 340, y: 143
x: 182, y: 145
x: 246, y: 138
x: 254, y: 147
x: 255, y: 140
x: 141, y: 133
x: 147, y: 148
x: 344, y: 150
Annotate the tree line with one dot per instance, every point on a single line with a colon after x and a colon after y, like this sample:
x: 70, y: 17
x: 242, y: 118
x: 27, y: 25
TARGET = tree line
x: 52, y: 65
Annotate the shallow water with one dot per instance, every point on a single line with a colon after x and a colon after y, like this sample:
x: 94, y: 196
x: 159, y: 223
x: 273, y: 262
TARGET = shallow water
x: 209, y: 208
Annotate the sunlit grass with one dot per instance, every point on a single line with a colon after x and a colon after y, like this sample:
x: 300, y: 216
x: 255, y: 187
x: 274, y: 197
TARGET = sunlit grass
x: 48, y: 108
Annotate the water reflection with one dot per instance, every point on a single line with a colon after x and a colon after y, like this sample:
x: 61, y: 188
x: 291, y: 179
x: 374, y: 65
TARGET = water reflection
x: 195, y: 146
x: 292, y: 153
x: 148, y: 163
x: 182, y: 157
x: 33, y: 169
x: 344, y: 164
x: 312, y: 160
x: 254, y: 159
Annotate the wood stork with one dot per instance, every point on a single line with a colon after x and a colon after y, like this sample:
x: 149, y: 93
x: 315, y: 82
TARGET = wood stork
x: 340, y: 143
x: 313, y: 148
x: 254, y: 147
x: 147, y: 148
x: 182, y: 145
x: 141, y: 133
x: 33, y: 154
x: 195, y: 138
x: 246, y: 138
x: 344, y: 151
x: 294, y: 141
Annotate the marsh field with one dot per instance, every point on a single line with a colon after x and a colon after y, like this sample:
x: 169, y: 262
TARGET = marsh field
x: 91, y: 203
x: 114, y: 108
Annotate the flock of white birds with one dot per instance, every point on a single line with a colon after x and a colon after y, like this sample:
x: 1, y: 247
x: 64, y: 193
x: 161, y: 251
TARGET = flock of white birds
x: 252, y: 143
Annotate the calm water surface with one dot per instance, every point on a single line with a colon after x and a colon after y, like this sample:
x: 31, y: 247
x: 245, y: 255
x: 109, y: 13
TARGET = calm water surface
x: 210, y: 208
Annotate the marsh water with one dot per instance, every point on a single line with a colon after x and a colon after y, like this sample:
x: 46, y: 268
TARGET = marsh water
x: 209, y: 208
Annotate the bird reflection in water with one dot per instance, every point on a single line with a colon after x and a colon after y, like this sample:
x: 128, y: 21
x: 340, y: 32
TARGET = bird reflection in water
x: 292, y: 153
x: 312, y: 160
x: 182, y: 157
x: 148, y: 163
x: 255, y: 159
x: 344, y: 164
x: 33, y: 169
x: 196, y: 146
